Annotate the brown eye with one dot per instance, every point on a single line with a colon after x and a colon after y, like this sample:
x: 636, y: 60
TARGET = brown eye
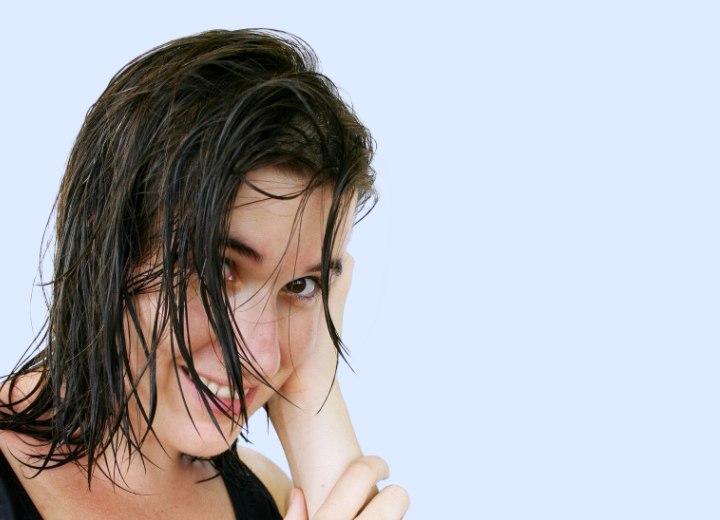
x: 227, y: 272
x: 305, y: 288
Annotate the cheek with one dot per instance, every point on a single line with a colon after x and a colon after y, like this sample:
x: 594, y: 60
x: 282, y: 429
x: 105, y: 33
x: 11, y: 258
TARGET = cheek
x: 198, y: 331
x: 301, y: 332
x: 145, y: 307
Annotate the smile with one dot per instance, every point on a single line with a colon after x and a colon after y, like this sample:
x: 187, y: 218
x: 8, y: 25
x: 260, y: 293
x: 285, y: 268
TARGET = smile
x: 220, y: 391
x: 225, y: 401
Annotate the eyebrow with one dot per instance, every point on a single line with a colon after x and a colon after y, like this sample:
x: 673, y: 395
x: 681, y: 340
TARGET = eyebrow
x: 241, y: 248
x: 336, y: 267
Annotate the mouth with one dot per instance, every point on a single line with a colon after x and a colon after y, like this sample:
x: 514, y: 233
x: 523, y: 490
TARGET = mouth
x: 220, y: 391
x: 226, y: 401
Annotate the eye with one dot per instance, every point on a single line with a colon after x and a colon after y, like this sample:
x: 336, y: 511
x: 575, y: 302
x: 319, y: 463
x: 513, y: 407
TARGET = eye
x: 228, y: 273
x: 304, y: 288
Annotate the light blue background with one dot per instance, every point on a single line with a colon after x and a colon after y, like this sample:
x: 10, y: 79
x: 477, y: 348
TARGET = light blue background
x: 534, y: 318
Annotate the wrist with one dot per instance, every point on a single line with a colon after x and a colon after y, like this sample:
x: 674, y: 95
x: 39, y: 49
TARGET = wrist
x: 319, y: 443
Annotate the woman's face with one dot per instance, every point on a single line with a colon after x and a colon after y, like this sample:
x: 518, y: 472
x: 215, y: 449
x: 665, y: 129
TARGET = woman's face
x: 272, y: 274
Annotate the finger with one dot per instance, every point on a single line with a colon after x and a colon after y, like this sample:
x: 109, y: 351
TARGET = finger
x: 390, y: 504
x: 341, y: 284
x: 348, y: 264
x: 339, y: 290
x: 352, y: 490
x: 297, y: 509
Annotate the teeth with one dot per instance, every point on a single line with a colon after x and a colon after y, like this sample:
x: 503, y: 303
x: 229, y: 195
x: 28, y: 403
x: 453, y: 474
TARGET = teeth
x: 220, y: 391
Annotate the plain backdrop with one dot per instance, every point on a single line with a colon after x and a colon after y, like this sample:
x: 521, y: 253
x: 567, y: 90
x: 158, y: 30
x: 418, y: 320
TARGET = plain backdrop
x: 534, y: 316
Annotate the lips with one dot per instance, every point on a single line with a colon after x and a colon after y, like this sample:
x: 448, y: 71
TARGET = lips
x: 220, y: 391
x: 226, y: 401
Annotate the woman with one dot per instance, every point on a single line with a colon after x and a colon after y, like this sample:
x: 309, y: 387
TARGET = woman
x: 200, y: 274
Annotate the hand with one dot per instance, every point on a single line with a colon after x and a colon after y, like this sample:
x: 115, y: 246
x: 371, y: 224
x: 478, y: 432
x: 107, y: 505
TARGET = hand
x: 348, y: 498
x: 309, y: 383
x: 314, y: 427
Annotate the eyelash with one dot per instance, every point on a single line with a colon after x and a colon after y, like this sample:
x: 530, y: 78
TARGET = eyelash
x: 229, y: 276
x: 317, y: 289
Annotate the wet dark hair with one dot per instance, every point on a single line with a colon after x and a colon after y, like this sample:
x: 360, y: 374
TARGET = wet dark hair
x: 153, y: 174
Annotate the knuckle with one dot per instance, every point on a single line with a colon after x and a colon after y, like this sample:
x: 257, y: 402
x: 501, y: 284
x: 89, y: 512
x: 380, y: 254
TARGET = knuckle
x: 362, y: 469
x: 398, y: 494
x: 370, y: 468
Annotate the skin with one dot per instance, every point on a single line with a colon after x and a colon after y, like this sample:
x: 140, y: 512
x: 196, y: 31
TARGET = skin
x: 273, y: 291
x: 277, y: 305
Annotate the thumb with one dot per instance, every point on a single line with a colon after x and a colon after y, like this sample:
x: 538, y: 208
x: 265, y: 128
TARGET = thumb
x: 297, y: 509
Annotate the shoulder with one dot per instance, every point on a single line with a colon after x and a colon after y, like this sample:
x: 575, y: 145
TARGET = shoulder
x: 274, y: 478
x: 17, y: 393
x: 20, y: 389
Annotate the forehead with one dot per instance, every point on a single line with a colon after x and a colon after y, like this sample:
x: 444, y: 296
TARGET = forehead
x: 271, y: 196
x: 274, y: 189
x: 274, y: 211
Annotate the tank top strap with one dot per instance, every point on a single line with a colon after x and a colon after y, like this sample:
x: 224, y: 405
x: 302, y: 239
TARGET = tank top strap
x: 249, y: 496
x: 15, y: 503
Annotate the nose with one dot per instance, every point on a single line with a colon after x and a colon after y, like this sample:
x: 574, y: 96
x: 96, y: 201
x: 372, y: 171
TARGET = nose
x: 260, y: 348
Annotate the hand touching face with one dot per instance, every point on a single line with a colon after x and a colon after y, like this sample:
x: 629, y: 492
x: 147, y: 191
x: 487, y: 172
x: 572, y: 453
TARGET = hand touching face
x: 272, y: 264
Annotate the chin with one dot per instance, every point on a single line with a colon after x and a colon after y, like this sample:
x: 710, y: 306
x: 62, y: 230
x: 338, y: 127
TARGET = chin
x: 199, y: 428
x: 204, y: 440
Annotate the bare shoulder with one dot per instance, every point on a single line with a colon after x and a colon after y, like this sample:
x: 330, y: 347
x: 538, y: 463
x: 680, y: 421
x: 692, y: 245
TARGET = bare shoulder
x: 274, y: 478
x: 23, y: 388
x: 15, y: 395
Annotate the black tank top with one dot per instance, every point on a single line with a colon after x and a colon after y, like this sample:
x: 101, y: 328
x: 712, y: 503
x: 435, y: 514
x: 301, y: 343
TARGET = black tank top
x: 249, y: 496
